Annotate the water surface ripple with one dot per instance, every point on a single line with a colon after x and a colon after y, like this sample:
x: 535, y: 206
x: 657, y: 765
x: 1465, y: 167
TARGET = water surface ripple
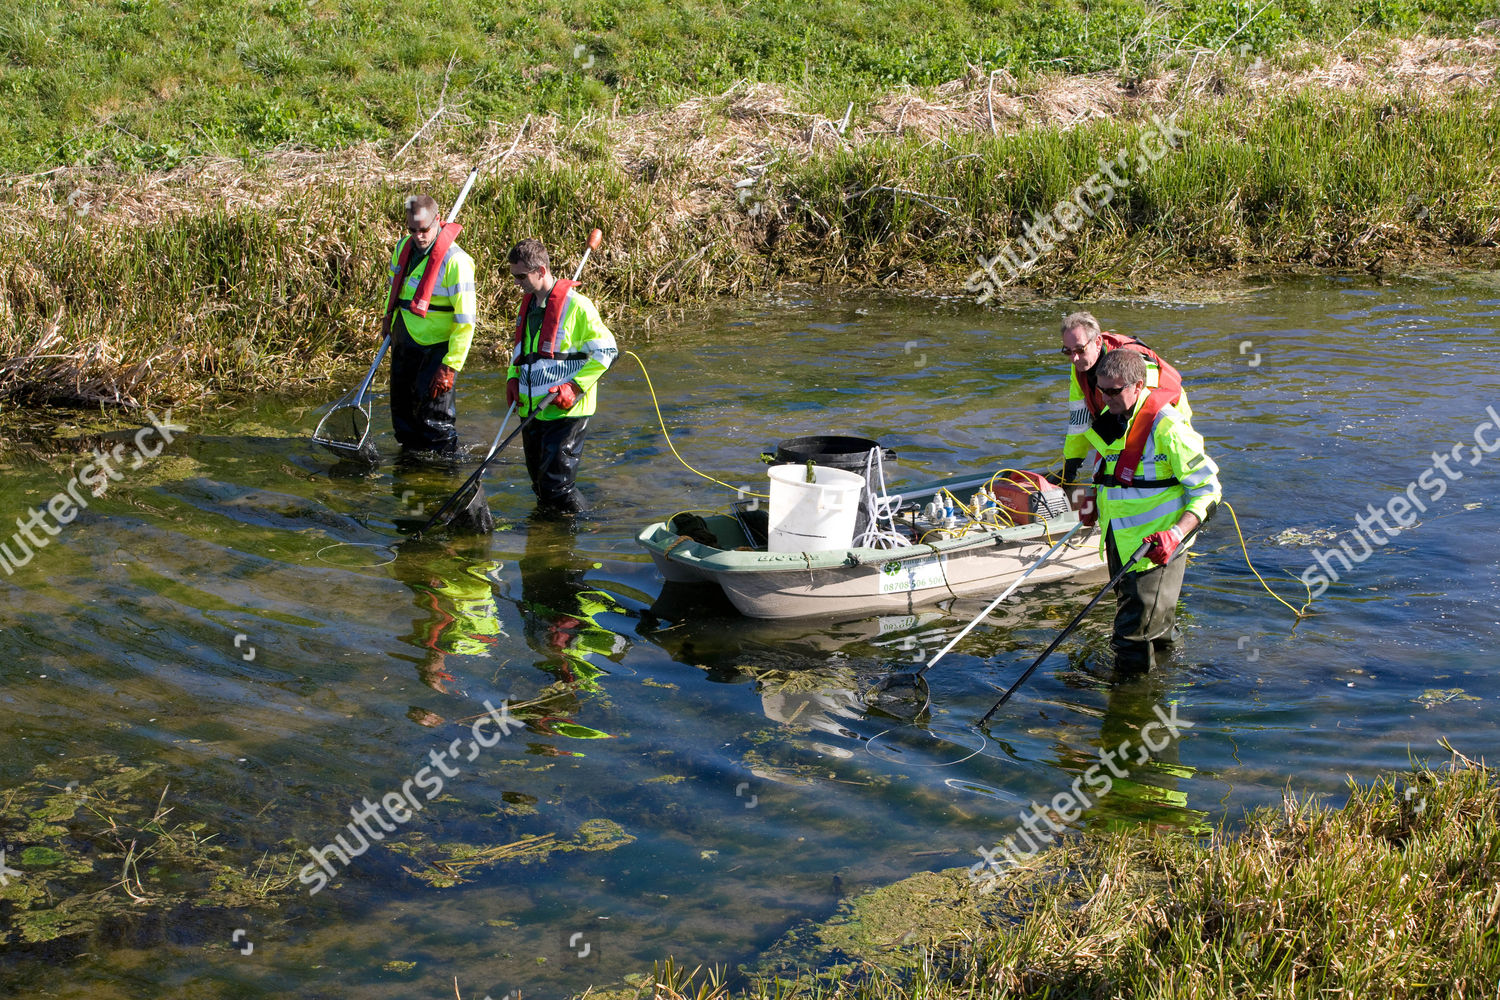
x: 737, y: 754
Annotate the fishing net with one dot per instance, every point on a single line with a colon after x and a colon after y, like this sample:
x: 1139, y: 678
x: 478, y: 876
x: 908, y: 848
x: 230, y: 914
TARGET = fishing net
x: 473, y: 515
x: 903, y: 696
x: 345, y: 432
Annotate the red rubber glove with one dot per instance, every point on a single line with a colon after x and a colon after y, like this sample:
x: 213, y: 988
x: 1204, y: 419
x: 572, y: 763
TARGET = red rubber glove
x: 1163, y: 544
x: 567, y: 395
x: 513, y: 392
x: 443, y: 381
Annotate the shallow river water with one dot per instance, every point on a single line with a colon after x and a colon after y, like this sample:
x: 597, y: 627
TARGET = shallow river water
x: 239, y: 619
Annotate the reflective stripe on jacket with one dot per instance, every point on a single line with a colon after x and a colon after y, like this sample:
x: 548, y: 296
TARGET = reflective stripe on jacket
x: 1174, y: 475
x: 452, y: 309
x: 575, y: 346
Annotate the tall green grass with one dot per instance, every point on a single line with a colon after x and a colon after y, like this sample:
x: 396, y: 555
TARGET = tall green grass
x: 252, y: 299
x: 1306, y: 179
x: 145, y: 83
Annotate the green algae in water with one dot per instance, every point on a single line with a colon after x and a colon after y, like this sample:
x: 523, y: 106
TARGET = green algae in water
x: 889, y: 928
x: 1433, y: 697
x: 600, y: 835
x: 578, y: 732
x: 114, y: 849
x: 450, y: 864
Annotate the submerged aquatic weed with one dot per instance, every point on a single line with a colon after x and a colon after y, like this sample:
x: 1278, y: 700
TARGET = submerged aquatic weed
x: 451, y: 864
x: 101, y: 854
x: 1433, y: 697
x: 1392, y: 895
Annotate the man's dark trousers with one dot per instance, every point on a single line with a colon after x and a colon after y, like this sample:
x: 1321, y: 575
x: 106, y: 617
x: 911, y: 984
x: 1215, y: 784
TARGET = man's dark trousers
x: 1145, y: 611
x: 553, y: 448
x: 421, y: 422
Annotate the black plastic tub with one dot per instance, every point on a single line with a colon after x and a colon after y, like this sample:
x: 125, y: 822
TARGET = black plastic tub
x: 832, y: 450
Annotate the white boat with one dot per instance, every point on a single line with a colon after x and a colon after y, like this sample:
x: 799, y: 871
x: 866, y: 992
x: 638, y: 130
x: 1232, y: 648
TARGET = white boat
x: 982, y: 560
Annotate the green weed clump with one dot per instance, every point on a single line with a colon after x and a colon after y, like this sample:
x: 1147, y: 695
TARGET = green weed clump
x: 144, y: 84
x: 113, y: 855
x: 1394, y: 895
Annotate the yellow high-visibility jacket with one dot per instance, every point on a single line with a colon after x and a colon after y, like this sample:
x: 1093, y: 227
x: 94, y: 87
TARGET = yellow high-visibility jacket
x: 454, y: 304
x: 1174, y: 475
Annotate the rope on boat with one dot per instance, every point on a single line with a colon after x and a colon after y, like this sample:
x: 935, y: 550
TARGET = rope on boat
x: 880, y: 528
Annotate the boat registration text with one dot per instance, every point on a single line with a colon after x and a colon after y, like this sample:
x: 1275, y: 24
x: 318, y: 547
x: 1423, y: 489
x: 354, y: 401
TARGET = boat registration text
x: 903, y: 576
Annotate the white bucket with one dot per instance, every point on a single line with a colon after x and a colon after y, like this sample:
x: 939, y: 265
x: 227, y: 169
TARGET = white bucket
x: 816, y: 516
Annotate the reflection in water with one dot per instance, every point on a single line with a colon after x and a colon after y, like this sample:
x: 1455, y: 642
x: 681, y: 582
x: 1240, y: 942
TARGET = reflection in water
x: 559, y: 610
x: 805, y: 681
x: 818, y: 709
x: 558, y: 606
x: 1151, y: 788
x: 457, y: 614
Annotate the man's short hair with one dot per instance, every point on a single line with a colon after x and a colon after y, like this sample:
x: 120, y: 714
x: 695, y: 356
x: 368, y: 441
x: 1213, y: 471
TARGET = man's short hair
x: 1125, y: 367
x: 529, y: 254
x: 421, y: 204
x: 1084, y: 320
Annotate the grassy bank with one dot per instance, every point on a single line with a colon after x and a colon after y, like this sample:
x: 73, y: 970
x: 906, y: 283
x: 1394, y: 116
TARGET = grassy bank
x: 1394, y: 895
x: 147, y: 83
x: 144, y: 301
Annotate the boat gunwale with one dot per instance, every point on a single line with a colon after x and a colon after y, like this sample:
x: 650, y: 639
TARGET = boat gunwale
x: 707, y: 558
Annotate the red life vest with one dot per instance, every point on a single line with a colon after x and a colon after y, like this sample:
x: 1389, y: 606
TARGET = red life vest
x: 551, y: 330
x: 1168, y: 389
x: 1169, y: 380
x: 419, y: 302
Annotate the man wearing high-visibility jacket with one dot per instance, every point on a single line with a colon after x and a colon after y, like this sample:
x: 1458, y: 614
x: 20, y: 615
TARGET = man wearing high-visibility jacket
x: 1085, y: 344
x: 561, y: 349
x: 1154, y: 484
x: 430, y: 319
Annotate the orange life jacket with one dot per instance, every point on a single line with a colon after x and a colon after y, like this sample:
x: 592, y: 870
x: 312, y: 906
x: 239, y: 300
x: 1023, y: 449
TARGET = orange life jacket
x: 420, y: 301
x: 551, y: 323
x: 1168, y: 389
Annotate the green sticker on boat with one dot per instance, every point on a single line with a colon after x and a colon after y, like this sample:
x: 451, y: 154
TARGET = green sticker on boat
x: 906, y: 575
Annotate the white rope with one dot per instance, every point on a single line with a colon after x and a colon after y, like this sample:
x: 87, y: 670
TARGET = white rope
x: 880, y: 529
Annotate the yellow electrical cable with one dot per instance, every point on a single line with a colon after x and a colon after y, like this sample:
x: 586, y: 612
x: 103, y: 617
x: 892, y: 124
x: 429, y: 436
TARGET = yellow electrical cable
x: 741, y: 491
x: 1304, y: 613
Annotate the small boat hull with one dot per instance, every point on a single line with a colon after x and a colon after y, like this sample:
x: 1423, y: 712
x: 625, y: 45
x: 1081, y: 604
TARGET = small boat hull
x: 868, y: 581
